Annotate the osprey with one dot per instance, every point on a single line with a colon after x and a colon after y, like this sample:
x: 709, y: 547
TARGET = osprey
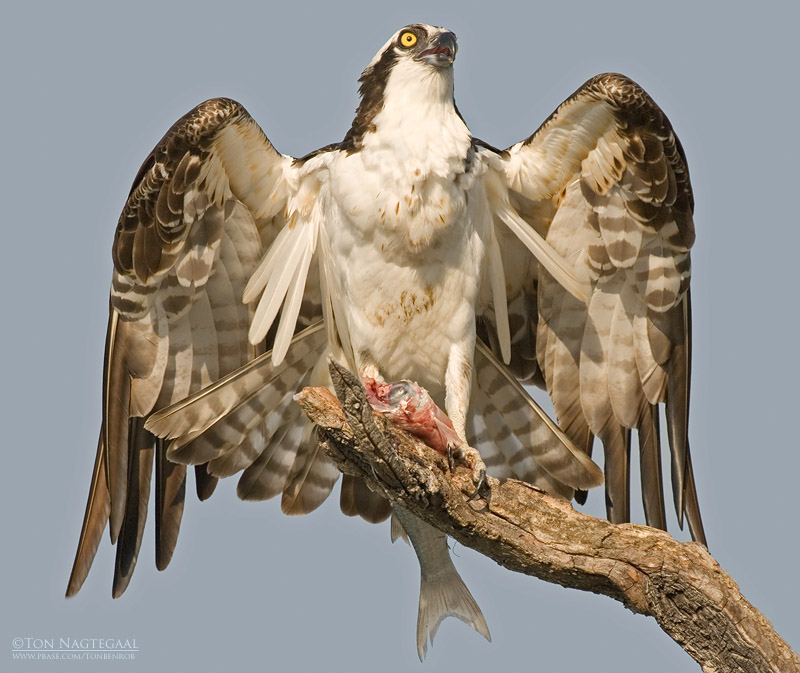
x: 239, y: 271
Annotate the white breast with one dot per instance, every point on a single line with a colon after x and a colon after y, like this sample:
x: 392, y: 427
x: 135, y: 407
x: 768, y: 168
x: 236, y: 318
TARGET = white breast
x: 408, y: 180
x: 407, y: 235
x: 407, y: 308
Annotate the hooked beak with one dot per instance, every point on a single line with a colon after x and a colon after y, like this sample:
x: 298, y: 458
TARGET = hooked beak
x: 442, y: 51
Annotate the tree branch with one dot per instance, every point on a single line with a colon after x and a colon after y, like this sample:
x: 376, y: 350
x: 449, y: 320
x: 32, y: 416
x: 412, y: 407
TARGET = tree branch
x: 678, y: 583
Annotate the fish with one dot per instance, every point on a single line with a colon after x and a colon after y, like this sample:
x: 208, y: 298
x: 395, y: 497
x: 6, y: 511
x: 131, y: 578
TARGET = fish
x: 442, y: 591
x: 410, y: 407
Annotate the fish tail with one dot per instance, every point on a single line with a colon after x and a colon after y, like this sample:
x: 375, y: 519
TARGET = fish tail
x: 441, y: 595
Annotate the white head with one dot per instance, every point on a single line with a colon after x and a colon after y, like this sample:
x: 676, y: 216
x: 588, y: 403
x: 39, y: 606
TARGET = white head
x: 432, y: 44
x: 415, y: 64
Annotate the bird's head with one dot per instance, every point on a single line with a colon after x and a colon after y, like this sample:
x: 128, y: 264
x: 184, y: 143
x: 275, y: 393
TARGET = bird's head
x: 415, y: 64
x: 419, y: 51
x: 422, y: 43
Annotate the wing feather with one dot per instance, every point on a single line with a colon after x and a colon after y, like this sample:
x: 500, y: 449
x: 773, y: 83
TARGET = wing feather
x: 116, y: 400
x: 266, y: 477
x: 292, y: 271
x: 541, y: 439
x: 604, y: 180
x: 650, y: 459
x: 146, y: 387
x: 248, y: 421
x: 170, y: 499
x: 130, y: 537
x: 231, y: 316
x: 189, y: 237
x: 98, y: 508
x: 311, y: 478
x: 294, y: 298
x: 617, y: 445
x: 497, y: 281
x: 624, y: 384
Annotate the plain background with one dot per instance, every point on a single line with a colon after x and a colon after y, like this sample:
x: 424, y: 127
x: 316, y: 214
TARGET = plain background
x: 88, y: 89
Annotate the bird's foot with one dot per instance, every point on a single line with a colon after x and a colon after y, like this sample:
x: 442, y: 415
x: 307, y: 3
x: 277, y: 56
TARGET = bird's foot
x: 410, y: 407
x: 465, y: 455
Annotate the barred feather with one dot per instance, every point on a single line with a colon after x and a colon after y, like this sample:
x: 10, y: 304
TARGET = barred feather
x: 186, y: 243
x: 605, y: 179
x: 542, y: 443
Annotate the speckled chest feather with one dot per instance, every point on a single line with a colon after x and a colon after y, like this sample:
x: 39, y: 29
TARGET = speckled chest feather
x: 410, y: 229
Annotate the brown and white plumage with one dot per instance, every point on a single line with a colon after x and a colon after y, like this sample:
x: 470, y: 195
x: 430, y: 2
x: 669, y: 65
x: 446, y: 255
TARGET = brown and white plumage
x: 239, y: 271
x: 187, y: 242
x: 605, y: 180
x: 212, y: 196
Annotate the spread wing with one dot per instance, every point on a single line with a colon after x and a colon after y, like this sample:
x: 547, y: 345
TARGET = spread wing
x: 604, y: 181
x: 212, y: 193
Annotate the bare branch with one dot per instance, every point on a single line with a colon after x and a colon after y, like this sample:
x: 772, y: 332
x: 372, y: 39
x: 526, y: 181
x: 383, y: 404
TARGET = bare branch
x: 678, y: 583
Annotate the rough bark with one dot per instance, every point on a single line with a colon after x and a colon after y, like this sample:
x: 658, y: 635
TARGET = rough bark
x: 678, y: 583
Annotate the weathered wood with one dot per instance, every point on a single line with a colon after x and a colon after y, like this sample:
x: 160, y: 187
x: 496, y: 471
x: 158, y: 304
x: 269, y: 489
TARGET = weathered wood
x: 678, y: 583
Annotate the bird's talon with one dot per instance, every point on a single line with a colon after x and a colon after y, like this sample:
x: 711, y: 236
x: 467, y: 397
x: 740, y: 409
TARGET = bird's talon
x: 482, y: 490
x: 469, y: 457
x: 454, y: 456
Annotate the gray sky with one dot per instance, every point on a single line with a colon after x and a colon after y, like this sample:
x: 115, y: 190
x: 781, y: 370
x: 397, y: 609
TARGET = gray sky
x: 89, y: 89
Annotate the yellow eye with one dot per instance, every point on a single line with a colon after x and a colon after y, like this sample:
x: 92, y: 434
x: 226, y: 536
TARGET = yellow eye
x: 408, y: 39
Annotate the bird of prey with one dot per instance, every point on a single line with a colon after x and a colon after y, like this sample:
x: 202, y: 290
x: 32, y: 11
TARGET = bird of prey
x: 409, y: 250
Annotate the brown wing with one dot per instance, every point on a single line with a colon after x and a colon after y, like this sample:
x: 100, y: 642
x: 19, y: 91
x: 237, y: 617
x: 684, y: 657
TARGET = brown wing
x: 208, y: 196
x: 248, y: 422
x: 605, y: 180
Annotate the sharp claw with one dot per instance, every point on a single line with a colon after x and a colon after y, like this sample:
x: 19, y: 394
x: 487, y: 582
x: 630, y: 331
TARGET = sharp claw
x: 482, y: 489
x: 454, y: 456
x: 470, y: 458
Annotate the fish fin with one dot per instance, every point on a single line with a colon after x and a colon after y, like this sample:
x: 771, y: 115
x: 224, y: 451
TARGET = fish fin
x: 397, y: 530
x: 445, y: 595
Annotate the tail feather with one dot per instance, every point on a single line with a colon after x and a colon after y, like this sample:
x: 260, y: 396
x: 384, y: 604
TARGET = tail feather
x: 347, y: 503
x: 370, y: 506
x: 489, y: 434
x: 248, y: 421
x: 231, y: 438
x: 502, y: 451
x: 243, y: 445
